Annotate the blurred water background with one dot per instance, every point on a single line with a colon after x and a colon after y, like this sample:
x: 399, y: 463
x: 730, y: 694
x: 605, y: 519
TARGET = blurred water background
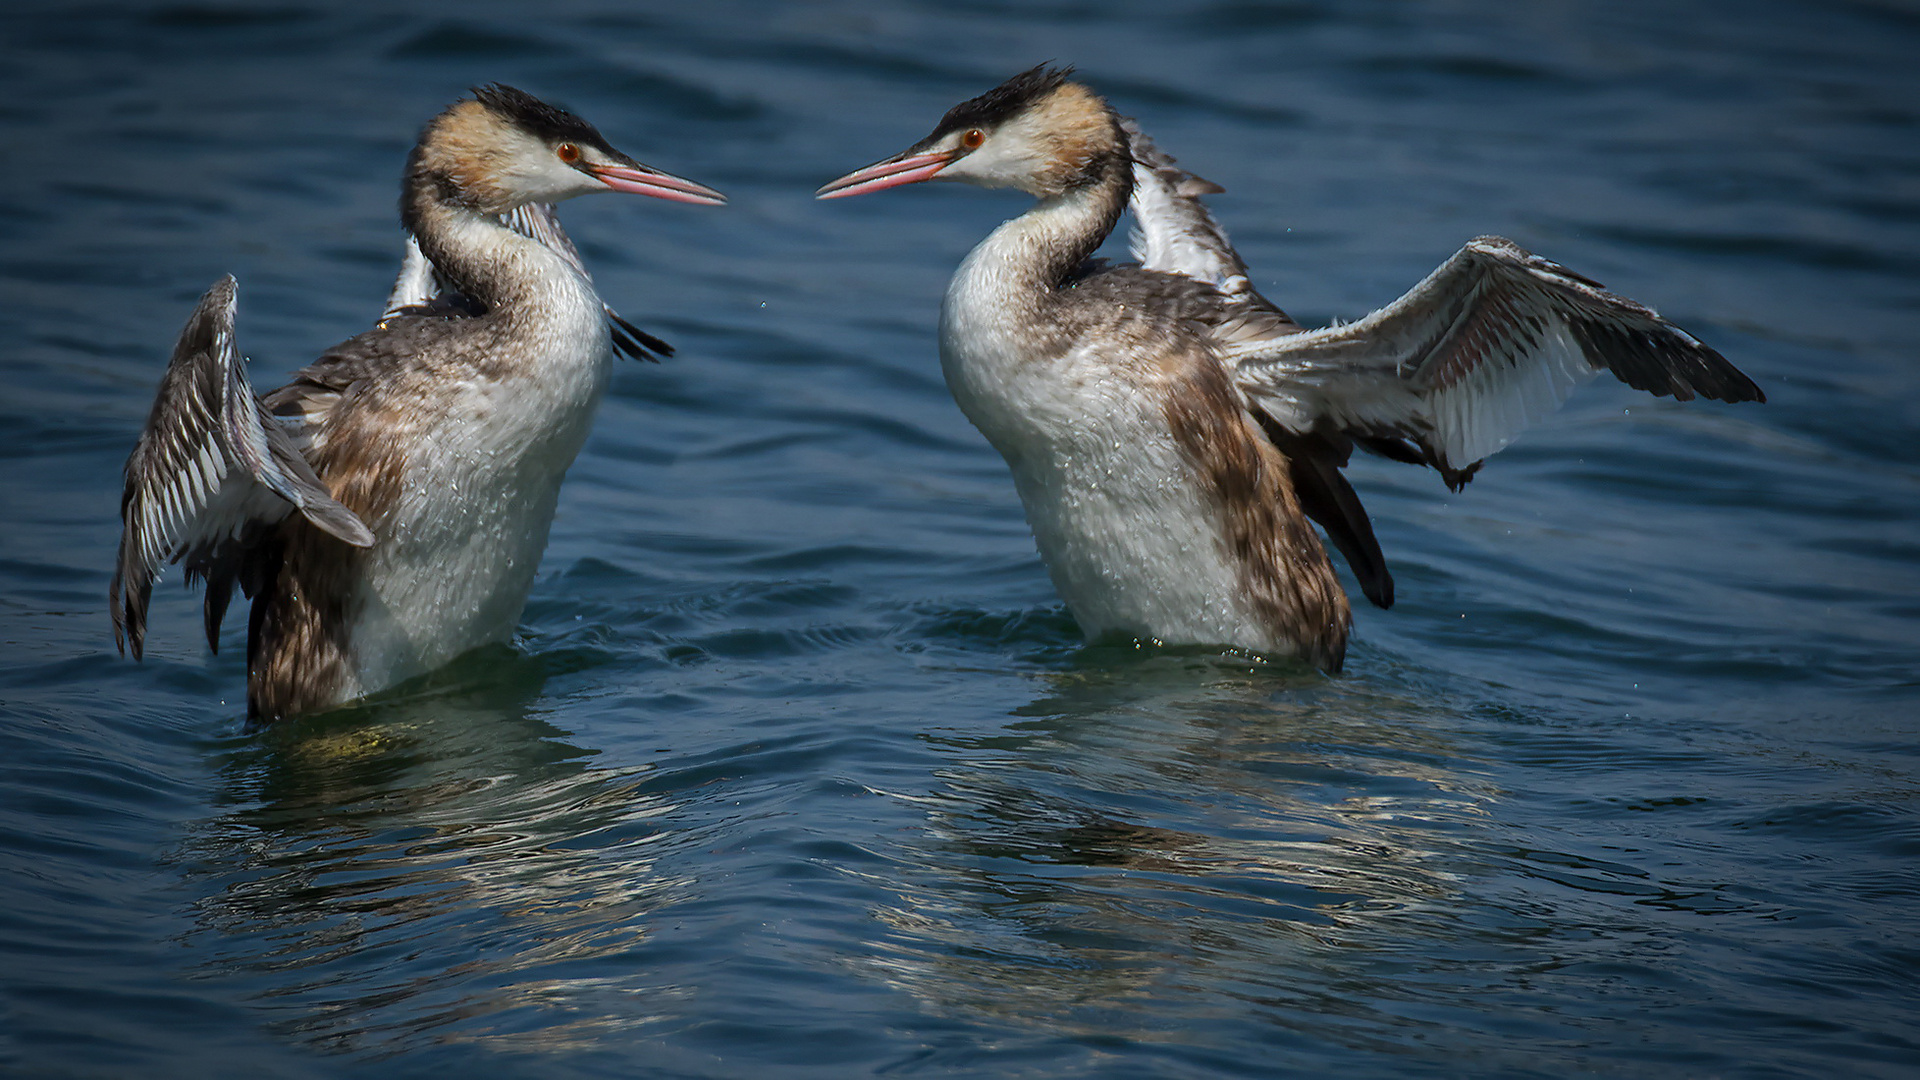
x: 799, y: 768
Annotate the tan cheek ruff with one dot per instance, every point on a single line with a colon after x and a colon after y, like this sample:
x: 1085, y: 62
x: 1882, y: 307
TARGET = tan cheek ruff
x: 1080, y: 130
x: 464, y: 145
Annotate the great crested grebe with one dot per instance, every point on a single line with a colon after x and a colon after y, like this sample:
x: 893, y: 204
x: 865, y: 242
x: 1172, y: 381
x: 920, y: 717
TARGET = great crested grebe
x: 423, y: 457
x: 1171, y: 432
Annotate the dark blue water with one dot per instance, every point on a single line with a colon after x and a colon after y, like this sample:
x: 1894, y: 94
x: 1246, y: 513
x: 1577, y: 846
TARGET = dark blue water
x: 799, y: 769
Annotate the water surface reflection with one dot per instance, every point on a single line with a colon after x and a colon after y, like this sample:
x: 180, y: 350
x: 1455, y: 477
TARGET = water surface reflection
x: 1170, y: 827
x: 1150, y: 842
x: 355, y: 847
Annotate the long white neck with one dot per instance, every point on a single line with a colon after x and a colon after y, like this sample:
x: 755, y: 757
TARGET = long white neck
x: 1002, y: 309
x: 485, y: 260
x: 1037, y: 252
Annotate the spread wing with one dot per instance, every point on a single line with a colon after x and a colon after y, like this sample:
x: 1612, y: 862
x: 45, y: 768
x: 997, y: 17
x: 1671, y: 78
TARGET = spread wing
x: 1175, y: 233
x: 1492, y: 341
x: 419, y: 289
x: 211, y: 469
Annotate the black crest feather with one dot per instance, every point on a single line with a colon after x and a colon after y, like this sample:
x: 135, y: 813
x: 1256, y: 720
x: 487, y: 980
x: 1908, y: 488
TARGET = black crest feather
x: 1005, y: 101
x: 545, y: 121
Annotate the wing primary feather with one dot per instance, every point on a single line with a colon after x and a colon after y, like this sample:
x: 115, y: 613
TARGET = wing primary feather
x: 1494, y: 340
x: 635, y: 343
x: 196, y: 477
x: 152, y: 505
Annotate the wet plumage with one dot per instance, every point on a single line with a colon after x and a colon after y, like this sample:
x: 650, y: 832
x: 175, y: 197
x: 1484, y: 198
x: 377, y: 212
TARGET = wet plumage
x: 386, y: 509
x: 1171, y: 431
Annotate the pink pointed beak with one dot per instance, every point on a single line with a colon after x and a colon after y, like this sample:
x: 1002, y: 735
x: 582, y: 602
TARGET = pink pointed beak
x: 893, y: 172
x: 639, y: 179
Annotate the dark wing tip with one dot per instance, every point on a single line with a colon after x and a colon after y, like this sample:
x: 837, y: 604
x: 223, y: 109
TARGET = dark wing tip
x: 127, y: 604
x: 1379, y: 592
x: 1718, y: 379
x: 631, y: 341
x: 1641, y: 348
x: 1664, y: 360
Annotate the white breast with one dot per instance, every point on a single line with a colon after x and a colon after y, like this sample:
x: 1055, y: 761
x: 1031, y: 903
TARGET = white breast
x: 453, y: 566
x: 1130, y: 537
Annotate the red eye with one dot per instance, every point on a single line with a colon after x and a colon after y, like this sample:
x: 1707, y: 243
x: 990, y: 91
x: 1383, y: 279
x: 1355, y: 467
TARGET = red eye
x: 973, y: 138
x: 568, y: 152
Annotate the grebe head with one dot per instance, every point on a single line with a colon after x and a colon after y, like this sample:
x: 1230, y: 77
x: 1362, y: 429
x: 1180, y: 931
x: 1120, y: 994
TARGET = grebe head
x: 1036, y: 132
x: 503, y: 148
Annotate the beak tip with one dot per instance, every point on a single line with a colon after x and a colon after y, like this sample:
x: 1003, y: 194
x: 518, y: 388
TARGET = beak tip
x: 893, y: 172
x: 645, y: 180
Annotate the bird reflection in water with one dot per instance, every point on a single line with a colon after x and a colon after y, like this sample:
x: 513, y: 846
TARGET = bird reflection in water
x: 1045, y: 888
x: 458, y: 835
